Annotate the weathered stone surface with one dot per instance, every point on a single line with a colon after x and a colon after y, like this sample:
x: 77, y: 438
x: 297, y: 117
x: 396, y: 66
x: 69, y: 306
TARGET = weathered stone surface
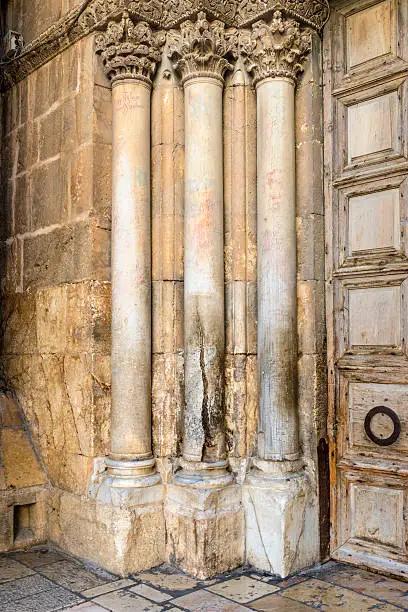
x: 168, y: 332
x: 123, y: 540
x: 241, y: 317
x: 10, y: 413
x: 21, y: 204
x: 241, y: 404
x: 167, y: 403
x: 11, y: 257
x: 281, y: 524
x: 21, y: 465
x: 50, y: 134
x: 68, y: 471
x: 18, y: 324
x: 167, y: 175
x: 205, y: 529
x: 66, y: 401
x: 311, y: 317
x: 239, y: 117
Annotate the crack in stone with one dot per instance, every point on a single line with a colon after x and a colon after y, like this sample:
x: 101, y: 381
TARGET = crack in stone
x: 204, y: 404
x: 260, y: 532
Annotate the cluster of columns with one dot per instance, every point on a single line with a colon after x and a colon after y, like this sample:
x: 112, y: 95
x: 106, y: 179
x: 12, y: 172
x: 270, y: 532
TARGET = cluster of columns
x: 201, y: 52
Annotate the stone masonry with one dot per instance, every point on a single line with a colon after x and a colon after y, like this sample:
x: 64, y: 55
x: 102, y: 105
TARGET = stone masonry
x: 133, y: 128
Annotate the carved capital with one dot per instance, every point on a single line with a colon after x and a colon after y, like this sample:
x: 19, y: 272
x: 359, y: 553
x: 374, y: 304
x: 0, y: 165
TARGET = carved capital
x: 202, y: 48
x: 275, y: 49
x: 130, y: 50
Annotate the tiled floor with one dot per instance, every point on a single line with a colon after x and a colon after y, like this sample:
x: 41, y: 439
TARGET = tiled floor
x: 43, y: 579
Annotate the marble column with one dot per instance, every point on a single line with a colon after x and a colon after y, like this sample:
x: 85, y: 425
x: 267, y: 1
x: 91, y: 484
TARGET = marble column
x: 276, y: 488
x: 200, y: 54
x: 130, y: 52
x: 203, y: 504
x: 277, y: 301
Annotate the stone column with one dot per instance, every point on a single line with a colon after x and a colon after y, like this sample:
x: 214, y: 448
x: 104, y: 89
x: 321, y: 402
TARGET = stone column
x: 199, y: 53
x: 130, y: 52
x: 276, y: 487
x: 200, y: 506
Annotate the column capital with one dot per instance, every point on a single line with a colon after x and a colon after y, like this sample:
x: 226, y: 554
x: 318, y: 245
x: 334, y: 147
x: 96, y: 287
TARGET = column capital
x: 277, y: 48
x: 202, y: 48
x: 130, y: 50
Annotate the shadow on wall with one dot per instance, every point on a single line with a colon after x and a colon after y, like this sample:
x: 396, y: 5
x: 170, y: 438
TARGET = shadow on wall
x: 23, y: 482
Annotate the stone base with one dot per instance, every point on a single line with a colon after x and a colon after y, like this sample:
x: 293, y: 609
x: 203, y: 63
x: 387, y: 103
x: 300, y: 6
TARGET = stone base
x: 282, y: 526
x: 205, y: 529
x: 122, y: 539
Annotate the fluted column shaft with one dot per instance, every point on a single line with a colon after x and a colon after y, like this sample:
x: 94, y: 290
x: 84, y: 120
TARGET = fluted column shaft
x: 277, y: 301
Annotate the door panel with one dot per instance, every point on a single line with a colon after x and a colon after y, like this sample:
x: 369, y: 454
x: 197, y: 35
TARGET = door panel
x: 366, y: 170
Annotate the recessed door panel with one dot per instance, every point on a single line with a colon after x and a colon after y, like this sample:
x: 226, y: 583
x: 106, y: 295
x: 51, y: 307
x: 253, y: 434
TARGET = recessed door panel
x: 366, y: 129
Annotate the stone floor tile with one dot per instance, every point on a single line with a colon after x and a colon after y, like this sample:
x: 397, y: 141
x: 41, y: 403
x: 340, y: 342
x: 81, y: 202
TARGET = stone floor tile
x: 204, y: 601
x: 72, y: 576
x: 368, y: 583
x: 324, y: 596
x: 23, y: 587
x: 263, y: 578
x: 291, y: 581
x: 243, y: 589
x: 88, y: 606
x: 277, y: 603
x: 150, y: 593
x: 47, y: 601
x: 122, y: 601
x: 107, y: 588
x: 172, y: 583
x: 11, y: 569
x: 38, y: 557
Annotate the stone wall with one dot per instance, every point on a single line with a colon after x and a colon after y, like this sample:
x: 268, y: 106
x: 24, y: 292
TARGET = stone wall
x: 55, y: 233
x: 32, y: 17
x: 56, y: 244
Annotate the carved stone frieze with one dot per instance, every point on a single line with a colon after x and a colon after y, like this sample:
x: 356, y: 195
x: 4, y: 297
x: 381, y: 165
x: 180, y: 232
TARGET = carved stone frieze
x: 277, y: 48
x: 311, y: 12
x: 202, y: 47
x: 130, y: 50
x: 93, y: 15
x: 99, y: 11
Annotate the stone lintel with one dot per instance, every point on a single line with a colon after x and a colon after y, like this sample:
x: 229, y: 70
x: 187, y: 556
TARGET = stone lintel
x: 205, y: 529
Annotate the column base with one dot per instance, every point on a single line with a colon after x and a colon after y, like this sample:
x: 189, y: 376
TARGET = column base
x: 205, y: 529
x: 203, y: 475
x: 126, y: 483
x: 124, y: 540
x: 282, y: 528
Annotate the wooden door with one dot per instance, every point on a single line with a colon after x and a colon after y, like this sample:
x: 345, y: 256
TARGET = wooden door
x: 366, y: 174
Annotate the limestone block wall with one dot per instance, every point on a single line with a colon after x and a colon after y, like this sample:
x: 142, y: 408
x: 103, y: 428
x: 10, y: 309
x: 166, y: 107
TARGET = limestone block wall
x: 56, y: 258
x: 23, y: 482
x: 55, y: 266
x: 32, y: 17
x: 312, y: 383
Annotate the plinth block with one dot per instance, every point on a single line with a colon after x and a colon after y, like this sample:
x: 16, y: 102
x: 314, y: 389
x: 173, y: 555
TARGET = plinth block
x: 205, y: 529
x: 282, y: 530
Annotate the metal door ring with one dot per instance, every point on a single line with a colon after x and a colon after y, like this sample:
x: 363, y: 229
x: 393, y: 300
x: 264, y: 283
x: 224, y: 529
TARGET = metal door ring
x: 395, y: 419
